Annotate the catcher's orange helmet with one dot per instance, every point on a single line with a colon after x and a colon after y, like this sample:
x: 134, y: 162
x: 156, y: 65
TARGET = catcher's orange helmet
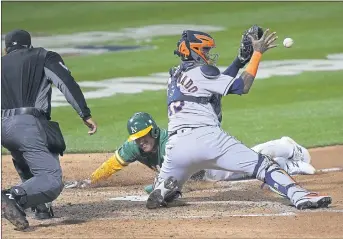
x: 195, y: 45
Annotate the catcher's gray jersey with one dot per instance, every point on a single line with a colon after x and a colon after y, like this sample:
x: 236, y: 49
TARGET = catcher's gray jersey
x: 203, y: 144
x: 186, y: 114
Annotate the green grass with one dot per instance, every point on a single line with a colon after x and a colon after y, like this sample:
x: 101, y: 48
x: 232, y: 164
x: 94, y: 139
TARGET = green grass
x: 307, y: 107
x: 309, y: 24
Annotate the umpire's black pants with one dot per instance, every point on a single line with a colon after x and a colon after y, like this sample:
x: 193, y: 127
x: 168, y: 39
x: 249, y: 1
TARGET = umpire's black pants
x: 21, y: 135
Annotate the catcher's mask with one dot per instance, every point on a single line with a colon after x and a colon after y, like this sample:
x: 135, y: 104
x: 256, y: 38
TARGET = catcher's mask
x: 195, y: 45
x: 140, y: 124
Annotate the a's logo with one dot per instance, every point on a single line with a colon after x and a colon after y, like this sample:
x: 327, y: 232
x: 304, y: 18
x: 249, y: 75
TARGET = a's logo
x: 133, y: 130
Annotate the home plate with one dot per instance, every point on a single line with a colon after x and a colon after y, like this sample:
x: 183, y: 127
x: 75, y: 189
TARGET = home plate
x: 133, y: 198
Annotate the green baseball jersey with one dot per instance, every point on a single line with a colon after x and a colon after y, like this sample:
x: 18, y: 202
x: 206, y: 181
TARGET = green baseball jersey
x: 130, y: 152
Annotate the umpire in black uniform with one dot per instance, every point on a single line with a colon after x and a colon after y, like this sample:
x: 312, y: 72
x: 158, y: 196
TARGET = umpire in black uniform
x: 34, y: 141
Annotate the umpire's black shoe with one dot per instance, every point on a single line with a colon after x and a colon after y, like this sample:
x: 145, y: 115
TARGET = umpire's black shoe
x: 43, y: 211
x: 12, y: 211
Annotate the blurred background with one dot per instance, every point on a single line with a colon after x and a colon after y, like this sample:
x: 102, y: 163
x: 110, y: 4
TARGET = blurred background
x: 120, y: 54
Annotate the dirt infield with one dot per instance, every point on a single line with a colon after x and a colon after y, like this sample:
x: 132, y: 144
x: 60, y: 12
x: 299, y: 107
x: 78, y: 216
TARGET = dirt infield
x: 207, y: 210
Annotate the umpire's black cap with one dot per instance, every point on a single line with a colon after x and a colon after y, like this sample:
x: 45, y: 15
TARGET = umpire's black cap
x: 18, y: 38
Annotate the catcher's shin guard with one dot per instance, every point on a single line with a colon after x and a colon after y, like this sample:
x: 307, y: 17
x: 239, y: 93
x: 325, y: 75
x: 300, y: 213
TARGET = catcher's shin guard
x: 276, y: 178
x: 281, y: 183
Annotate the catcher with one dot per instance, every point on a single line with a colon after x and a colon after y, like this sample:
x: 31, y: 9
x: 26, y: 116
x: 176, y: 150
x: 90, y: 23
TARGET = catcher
x: 146, y: 144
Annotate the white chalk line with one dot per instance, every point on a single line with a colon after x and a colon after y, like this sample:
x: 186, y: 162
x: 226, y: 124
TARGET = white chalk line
x: 283, y: 214
x: 131, y: 198
x: 232, y: 202
x: 171, y: 217
x: 330, y: 170
x: 120, y: 217
x: 323, y: 210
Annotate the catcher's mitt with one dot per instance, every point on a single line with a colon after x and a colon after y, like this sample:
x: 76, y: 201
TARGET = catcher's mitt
x: 246, y: 49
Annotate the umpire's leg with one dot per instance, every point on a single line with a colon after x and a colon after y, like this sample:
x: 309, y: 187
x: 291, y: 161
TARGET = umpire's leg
x: 46, y: 184
x: 41, y: 211
x: 21, y: 166
x: 21, y: 133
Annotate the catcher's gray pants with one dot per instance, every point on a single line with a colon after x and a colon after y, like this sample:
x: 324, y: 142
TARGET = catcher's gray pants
x: 209, y: 147
x: 206, y: 148
x: 20, y: 134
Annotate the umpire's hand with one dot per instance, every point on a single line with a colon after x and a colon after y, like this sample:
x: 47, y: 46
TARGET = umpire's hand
x: 91, y: 125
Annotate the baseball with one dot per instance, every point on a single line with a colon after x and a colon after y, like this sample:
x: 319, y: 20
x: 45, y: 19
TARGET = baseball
x: 288, y: 42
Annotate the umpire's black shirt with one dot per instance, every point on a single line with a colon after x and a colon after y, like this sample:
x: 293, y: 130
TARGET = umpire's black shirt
x: 26, y: 78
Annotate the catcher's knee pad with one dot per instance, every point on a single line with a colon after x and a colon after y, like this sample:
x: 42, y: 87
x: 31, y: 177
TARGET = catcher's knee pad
x: 270, y: 173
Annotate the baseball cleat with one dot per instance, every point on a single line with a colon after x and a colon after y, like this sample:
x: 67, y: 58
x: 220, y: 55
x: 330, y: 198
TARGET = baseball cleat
x: 155, y: 199
x: 299, y: 152
x: 12, y: 211
x: 313, y: 200
x: 299, y: 167
x: 165, y: 192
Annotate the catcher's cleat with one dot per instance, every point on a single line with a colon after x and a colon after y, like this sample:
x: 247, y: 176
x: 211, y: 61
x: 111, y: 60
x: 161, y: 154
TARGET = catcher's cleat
x: 43, y: 211
x: 12, y: 211
x: 299, y: 152
x: 313, y: 200
x: 299, y: 167
x: 155, y: 199
x: 165, y: 193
